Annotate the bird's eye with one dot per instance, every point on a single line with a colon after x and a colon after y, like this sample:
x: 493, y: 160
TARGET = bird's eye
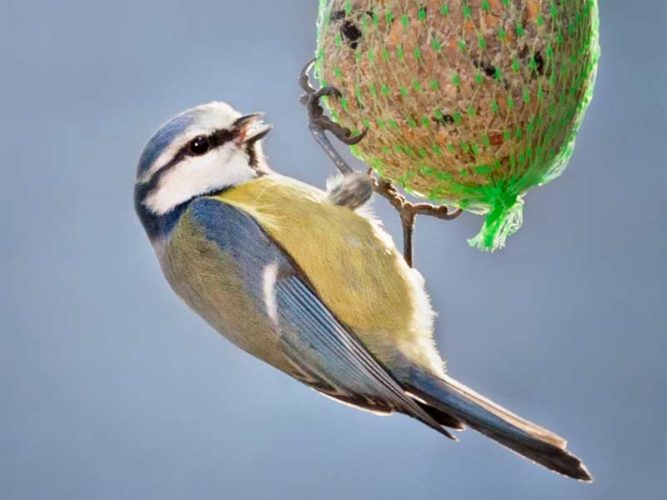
x: 199, y: 145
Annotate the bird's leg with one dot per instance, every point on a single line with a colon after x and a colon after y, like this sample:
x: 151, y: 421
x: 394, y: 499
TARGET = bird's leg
x: 408, y: 212
x: 319, y: 123
x: 408, y: 219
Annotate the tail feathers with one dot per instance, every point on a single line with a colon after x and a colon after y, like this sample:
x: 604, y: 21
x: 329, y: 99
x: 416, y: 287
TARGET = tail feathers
x: 460, y: 403
x: 441, y: 417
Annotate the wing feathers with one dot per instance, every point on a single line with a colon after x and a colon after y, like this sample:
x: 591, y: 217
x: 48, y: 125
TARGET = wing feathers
x: 340, y: 353
x: 330, y: 357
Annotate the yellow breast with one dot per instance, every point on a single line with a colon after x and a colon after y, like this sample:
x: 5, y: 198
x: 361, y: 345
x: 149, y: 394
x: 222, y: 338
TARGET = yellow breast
x: 352, y: 264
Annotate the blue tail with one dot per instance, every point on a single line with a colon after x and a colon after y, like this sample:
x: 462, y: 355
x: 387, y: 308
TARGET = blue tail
x: 451, y: 398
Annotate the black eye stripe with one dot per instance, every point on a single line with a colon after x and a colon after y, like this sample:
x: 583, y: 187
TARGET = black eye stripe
x: 220, y: 137
x: 215, y: 140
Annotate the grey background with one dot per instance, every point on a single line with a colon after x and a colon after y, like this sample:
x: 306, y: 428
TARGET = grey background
x: 111, y: 389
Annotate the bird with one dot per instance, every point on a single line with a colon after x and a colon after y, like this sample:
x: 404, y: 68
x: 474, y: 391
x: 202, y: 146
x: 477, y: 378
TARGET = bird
x: 307, y: 280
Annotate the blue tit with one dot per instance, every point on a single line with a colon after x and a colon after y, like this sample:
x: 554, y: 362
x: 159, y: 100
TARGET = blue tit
x: 305, y: 281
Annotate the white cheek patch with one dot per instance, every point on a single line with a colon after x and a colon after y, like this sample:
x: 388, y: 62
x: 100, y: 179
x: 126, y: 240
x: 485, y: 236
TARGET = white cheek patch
x: 223, y: 167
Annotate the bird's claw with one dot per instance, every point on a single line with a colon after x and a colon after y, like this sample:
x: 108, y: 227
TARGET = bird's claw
x: 304, y: 79
x: 343, y: 134
x: 318, y: 120
x: 351, y: 139
x: 328, y: 91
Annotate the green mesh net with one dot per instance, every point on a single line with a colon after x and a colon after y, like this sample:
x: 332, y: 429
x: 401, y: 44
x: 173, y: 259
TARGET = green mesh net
x: 469, y: 103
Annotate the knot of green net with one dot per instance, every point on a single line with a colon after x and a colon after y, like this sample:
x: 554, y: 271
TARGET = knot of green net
x: 504, y: 218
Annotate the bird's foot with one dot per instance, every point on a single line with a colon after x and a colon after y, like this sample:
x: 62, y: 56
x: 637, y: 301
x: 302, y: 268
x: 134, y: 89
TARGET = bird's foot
x: 319, y: 123
x: 409, y: 211
x: 322, y: 123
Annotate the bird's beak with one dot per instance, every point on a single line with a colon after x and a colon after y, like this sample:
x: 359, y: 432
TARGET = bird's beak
x: 250, y: 128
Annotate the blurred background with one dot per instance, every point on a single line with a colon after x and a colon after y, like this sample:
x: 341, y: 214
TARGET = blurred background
x: 110, y: 388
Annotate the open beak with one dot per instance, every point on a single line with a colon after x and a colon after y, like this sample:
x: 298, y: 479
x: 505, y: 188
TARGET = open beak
x: 250, y: 128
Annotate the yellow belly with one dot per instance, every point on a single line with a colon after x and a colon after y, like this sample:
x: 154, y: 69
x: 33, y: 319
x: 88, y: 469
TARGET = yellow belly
x: 352, y: 264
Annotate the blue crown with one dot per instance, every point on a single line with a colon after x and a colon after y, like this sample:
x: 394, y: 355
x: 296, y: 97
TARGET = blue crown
x: 162, y: 139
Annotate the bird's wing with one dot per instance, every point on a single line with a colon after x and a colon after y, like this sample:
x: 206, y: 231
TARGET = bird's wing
x: 328, y: 356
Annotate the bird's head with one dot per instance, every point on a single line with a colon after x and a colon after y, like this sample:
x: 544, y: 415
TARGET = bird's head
x: 202, y: 150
